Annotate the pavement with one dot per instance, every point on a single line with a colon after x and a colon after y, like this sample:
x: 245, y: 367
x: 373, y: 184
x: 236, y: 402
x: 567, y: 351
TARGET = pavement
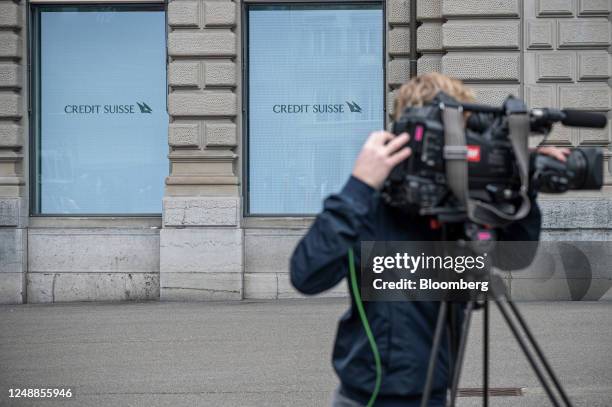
x: 274, y: 353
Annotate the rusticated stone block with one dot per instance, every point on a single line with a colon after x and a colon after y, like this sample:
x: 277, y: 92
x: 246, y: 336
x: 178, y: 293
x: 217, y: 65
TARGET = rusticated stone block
x: 184, y: 134
x: 540, y: 95
x: 9, y: 211
x: 480, y: 8
x: 594, y: 65
x: 10, y: 44
x: 10, y: 14
x: 598, y: 137
x: 220, y: 134
x: 201, y: 250
x: 540, y: 34
x: 576, y: 213
x: 93, y: 250
x: 202, y: 43
x: 261, y: 286
x: 398, y: 11
x: 429, y: 37
x: 399, y: 71
x: 429, y: 63
x: 203, y: 103
x: 268, y: 251
x: 10, y: 134
x: 590, y: 7
x: 547, y: 8
x: 399, y: 41
x: 183, y: 13
x: 491, y: 66
x: 556, y: 66
x: 591, y: 97
x: 200, y: 211
x: 11, y: 288
x: 10, y: 105
x: 12, y: 250
x: 219, y: 13
x: 493, y: 94
x: 562, y: 136
x: 220, y: 74
x: 429, y: 9
x: 481, y: 34
x: 584, y: 33
x: 10, y: 76
x: 184, y: 73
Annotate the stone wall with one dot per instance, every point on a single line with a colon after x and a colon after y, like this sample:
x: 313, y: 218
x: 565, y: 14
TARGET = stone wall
x: 13, y: 133
x: 551, y: 52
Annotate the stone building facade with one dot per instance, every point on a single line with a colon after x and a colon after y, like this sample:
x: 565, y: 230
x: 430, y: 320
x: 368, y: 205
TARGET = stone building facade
x: 202, y: 246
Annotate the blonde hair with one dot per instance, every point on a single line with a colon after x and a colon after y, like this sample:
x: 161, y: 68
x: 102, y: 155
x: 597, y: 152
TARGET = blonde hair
x: 423, y: 88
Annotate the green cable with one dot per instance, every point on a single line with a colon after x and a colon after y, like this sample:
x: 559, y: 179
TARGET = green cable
x: 366, y: 327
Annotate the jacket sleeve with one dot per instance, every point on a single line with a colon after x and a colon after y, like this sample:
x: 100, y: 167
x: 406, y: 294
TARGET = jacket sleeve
x: 320, y: 261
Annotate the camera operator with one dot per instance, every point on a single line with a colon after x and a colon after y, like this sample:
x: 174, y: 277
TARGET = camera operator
x: 403, y: 331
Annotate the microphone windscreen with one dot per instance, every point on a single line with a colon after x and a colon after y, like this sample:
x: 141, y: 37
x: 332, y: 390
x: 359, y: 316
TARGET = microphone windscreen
x: 579, y: 118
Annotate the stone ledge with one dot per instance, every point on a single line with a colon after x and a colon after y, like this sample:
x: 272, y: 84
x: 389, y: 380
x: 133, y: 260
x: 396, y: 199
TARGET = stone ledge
x: 200, y: 286
x: 200, y: 211
x: 278, y: 286
x: 70, y: 287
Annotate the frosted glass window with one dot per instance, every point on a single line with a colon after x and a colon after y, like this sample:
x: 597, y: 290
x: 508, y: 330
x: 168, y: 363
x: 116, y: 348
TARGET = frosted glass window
x: 315, y: 92
x: 102, y: 127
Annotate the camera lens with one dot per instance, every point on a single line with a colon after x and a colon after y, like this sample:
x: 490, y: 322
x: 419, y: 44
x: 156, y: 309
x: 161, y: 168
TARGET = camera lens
x: 585, y: 168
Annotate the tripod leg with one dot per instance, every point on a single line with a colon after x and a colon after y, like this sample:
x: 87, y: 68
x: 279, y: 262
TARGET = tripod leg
x: 527, y: 352
x: 434, y: 353
x: 460, y: 353
x: 485, y: 355
x: 538, y: 350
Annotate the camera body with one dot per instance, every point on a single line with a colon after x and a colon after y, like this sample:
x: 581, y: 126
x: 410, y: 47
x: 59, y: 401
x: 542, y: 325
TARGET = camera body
x: 420, y: 183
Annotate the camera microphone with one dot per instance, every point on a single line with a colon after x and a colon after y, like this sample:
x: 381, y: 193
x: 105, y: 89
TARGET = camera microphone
x: 584, y: 119
x: 569, y: 117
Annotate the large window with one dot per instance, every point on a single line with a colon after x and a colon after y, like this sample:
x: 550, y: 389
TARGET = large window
x: 315, y: 92
x: 99, y: 109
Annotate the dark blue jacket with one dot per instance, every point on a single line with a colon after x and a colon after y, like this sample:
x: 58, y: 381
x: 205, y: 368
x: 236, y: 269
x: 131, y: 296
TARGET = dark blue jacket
x: 403, y: 330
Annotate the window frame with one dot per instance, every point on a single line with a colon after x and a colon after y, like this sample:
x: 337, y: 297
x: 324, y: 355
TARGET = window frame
x: 34, y: 87
x: 244, y: 152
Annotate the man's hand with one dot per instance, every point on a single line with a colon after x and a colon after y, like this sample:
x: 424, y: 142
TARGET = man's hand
x: 381, y: 152
x: 560, y: 153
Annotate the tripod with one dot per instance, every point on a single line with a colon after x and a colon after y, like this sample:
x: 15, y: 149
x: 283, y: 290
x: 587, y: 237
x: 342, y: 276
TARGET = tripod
x: 516, y: 323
